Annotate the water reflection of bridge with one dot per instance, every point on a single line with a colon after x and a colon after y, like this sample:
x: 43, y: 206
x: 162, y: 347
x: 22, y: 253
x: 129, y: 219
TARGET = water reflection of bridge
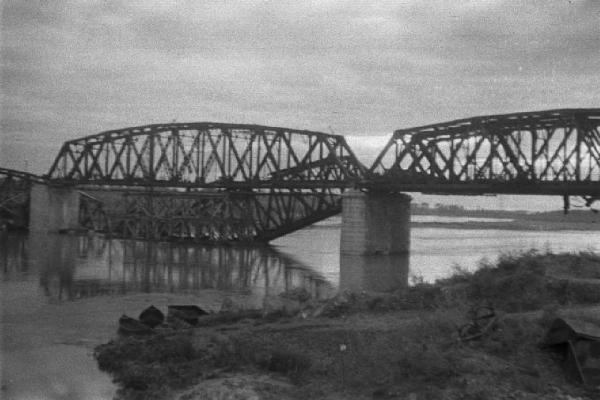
x: 72, y: 268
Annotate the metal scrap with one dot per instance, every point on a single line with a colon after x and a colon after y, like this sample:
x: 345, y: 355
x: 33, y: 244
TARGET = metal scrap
x: 483, y: 318
x: 578, y: 343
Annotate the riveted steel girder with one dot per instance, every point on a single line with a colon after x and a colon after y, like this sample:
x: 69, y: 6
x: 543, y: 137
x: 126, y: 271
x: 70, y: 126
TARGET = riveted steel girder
x: 208, y: 155
x: 546, y: 152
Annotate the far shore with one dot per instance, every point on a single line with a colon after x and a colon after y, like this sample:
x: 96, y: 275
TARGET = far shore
x: 515, y: 225
x: 574, y: 220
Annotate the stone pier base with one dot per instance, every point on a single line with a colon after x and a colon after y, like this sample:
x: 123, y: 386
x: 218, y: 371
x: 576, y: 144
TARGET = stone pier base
x: 375, y: 223
x: 374, y: 273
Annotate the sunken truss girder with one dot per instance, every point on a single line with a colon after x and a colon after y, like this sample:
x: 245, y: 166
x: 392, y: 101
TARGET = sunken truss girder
x: 223, y: 216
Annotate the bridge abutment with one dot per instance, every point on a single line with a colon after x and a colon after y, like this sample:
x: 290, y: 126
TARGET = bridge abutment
x: 52, y: 209
x: 375, y: 223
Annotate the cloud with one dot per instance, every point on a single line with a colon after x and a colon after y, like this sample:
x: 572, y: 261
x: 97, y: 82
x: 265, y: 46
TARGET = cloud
x: 72, y: 68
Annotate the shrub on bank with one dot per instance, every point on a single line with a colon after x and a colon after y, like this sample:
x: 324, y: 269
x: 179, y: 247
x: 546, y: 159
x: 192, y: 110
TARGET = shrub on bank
x: 148, y: 367
x: 529, y: 281
x: 516, y: 282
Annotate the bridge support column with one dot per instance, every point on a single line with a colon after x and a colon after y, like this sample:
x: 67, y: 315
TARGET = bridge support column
x: 52, y: 209
x: 375, y: 223
x: 373, y: 273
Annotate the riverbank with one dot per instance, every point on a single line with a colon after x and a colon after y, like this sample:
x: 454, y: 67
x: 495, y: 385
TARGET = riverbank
x: 515, y: 225
x: 574, y: 220
x: 401, y: 345
x: 573, y: 215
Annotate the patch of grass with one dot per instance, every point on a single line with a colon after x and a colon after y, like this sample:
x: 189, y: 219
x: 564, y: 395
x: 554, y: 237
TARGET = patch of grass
x: 516, y: 282
x: 160, y: 349
x: 284, y: 361
x: 510, y: 337
x: 522, y: 281
x: 147, y: 368
x: 583, y: 265
x: 422, y: 296
x: 227, y: 318
x: 298, y: 293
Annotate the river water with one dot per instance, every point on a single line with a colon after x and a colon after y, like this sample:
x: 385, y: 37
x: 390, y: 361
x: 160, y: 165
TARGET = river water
x: 62, y: 295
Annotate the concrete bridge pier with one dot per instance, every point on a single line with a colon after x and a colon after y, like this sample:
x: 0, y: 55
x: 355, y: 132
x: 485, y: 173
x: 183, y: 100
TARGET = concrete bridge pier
x: 373, y: 273
x: 52, y: 209
x: 375, y: 223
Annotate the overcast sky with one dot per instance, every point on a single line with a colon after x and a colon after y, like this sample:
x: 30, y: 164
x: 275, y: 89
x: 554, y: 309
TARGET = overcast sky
x: 73, y: 68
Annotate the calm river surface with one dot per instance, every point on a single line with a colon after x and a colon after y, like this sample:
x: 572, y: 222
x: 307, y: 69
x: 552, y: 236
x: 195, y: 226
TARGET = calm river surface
x: 62, y: 295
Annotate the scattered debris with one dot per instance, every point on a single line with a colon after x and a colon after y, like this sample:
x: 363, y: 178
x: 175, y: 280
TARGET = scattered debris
x: 483, y: 319
x: 152, y: 317
x: 578, y: 342
x: 187, y: 313
x: 132, y: 327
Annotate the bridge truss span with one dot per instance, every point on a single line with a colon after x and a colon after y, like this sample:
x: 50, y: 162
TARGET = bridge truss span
x: 547, y: 152
x: 221, y: 182
x: 208, y: 155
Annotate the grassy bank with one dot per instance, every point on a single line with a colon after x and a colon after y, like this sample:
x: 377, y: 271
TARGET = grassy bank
x: 401, y: 345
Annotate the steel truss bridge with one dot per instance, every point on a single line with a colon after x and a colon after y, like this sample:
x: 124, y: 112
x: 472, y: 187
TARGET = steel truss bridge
x: 207, y: 181
x: 230, y: 182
